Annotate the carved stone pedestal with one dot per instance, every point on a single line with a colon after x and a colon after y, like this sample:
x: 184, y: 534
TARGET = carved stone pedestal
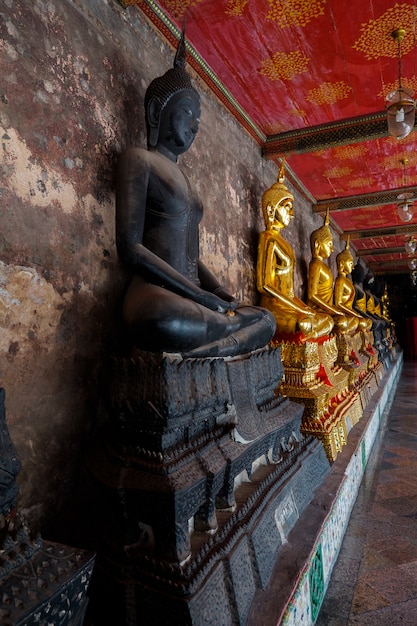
x: 198, y: 480
x: 40, y: 582
x: 49, y: 586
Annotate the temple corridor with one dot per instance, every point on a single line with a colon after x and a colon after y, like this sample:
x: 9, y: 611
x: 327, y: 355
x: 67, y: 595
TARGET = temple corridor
x: 374, y: 581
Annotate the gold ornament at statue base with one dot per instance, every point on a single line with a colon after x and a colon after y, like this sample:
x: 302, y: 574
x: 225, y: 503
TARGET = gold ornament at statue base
x: 313, y: 378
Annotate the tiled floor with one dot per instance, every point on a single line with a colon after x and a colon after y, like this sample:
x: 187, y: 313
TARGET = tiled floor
x: 374, y: 582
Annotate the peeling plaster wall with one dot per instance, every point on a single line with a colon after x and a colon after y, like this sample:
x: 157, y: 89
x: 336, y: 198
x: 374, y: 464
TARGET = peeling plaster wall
x: 74, y: 75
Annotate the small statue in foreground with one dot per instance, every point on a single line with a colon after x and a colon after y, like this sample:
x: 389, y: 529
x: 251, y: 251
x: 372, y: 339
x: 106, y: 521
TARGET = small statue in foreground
x: 275, y: 269
x: 320, y: 280
x: 173, y: 302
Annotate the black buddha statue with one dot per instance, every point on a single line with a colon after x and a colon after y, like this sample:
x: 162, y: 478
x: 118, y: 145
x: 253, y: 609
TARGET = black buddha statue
x: 173, y: 302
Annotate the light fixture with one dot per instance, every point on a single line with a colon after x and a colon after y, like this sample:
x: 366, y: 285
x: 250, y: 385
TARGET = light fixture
x: 411, y: 245
x: 404, y: 212
x: 405, y: 206
x: 412, y: 264
x: 400, y: 105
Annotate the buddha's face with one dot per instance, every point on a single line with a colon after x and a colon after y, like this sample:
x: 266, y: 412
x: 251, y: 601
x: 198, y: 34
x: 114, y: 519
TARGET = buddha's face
x: 346, y: 266
x: 179, y: 122
x: 281, y: 213
x: 349, y: 266
x: 326, y: 247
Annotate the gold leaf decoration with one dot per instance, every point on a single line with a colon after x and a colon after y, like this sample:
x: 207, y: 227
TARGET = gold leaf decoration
x: 393, y: 141
x: 350, y: 152
x: 294, y: 12
x: 178, y: 8
x: 394, y: 163
x: 284, y: 66
x: 361, y: 182
x: 236, y: 7
x: 375, y: 40
x: 274, y: 129
x: 296, y: 112
x: 338, y: 172
x: 329, y: 93
x: 407, y: 83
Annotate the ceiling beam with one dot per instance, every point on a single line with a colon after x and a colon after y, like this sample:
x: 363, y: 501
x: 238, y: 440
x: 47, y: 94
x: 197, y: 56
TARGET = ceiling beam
x: 383, y: 267
x: 381, y: 251
x: 361, y: 201
x: 379, y: 232
x: 325, y: 136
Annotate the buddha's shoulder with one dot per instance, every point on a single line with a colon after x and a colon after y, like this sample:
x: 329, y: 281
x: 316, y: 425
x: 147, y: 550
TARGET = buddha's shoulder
x: 141, y: 159
x: 137, y: 154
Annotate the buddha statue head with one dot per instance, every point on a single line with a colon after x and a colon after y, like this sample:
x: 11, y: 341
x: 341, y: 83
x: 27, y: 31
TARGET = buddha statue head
x: 344, y: 259
x: 358, y: 273
x: 278, y: 202
x: 321, y: 240
x: 161, y: 91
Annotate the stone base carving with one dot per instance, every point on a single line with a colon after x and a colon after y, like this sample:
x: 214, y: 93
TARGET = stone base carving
x: 205, y: 471
x: 48, y: 587
x: 41, y: 582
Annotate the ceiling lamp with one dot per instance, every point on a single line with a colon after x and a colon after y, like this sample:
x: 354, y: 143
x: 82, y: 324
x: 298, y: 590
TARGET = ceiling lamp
x: 411, y: 245
x: 405, y: 210
x: 400, y: 105
x: 405, y: 206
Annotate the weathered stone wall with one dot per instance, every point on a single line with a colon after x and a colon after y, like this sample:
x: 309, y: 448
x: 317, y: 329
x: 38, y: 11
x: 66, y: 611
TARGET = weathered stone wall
x: 74, y: 74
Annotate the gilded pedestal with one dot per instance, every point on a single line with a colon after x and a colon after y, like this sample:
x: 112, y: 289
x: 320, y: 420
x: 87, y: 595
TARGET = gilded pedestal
x: 313, y: 377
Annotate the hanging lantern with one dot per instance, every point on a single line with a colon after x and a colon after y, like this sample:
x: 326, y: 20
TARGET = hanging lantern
x: 400, y: 104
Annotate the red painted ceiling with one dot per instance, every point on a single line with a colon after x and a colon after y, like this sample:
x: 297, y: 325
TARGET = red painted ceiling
x: 308, y: 80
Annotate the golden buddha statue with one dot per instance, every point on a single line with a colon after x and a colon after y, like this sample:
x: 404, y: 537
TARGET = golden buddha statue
x: 320, y: 280
x: 275, y: 269
x: 344, y: 289
x: 312, y: 375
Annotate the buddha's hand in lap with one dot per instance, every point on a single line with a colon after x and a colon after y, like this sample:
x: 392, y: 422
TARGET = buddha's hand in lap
x: 217, y: 303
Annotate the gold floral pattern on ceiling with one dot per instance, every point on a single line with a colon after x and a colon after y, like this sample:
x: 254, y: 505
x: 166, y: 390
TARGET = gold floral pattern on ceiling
x: 362, y: 181
x: 178, y: 8
x: 338, y: 171
x: 328, y: 93
x: 296, y: 112
x: 236, y: 7
x: 389, y: 163
x: 408, y: 141
x: 378, y: 220
x: 275, y: 128
x: 375, y: 40
x: 284, y: 66
x: 355, y: 220
x: 407, y: 83
x: 294, y: 12
x: 350, y: 152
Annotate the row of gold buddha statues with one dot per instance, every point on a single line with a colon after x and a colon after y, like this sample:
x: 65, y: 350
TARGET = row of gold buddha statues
x: 329, y: 344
